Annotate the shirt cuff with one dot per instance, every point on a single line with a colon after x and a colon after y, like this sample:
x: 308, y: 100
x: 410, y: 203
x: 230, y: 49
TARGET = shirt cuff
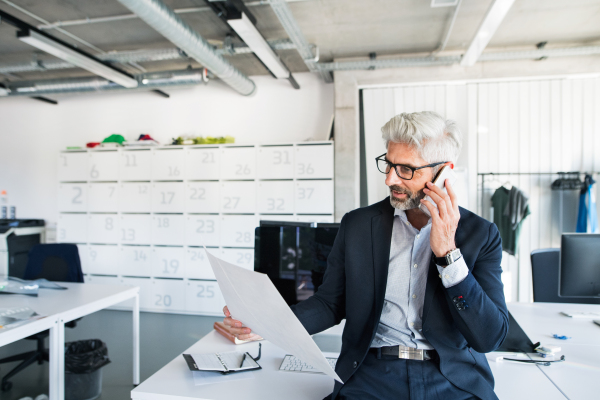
x: 454, y: 273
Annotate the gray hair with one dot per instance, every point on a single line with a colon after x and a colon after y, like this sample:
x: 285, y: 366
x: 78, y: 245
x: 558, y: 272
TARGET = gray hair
x: 434, y: 138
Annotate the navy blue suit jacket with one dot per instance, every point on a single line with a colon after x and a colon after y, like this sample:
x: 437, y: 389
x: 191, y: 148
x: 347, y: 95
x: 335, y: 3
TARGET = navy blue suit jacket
x: 354, y: 289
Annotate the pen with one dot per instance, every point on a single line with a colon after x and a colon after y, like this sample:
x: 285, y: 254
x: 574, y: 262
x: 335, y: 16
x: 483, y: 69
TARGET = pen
x: 243, y: 359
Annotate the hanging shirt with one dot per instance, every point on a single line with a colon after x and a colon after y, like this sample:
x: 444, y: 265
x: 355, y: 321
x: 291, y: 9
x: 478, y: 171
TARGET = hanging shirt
x: 587, y: 218
x: 510, y: 210
x: 410, y: 254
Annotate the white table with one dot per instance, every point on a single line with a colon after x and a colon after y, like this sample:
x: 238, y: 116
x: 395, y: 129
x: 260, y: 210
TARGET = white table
x: 62, y: 306
x: 577, y: 377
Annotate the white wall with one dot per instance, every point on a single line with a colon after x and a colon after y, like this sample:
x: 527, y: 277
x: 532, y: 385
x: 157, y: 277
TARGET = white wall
x: 32, y: 132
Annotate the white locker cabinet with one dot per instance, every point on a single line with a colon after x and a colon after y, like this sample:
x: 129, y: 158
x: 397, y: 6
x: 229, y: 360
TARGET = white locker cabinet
x: 238, y: 163
x: 202, y: 197
x: 168, y: 229
x: 202, y: 164
x: 103, y: 259
x: 135, y: 260
x: 103, y: 166
x: 136, y: 165
x: 135, y: 197
x: 72, y: 228
x: 202, y: 230
x: 204, y: 297
x: 73, y: 167
x: 168, y: 197
x: 168, y: 165
x: 168, y: 262
x: 238, y: 197
x: 275, y: 197
x: 314, y: 197
x: 103, y: 228
x: 197, y: 265
x: 314, y: 161
x: 83, y: 257
x: 104, y: 197
x: 168, y: 295
x: 73, y: 197
x: 275, y: 162
x: 135, y: 229
x: 146, y: 290
x: 241, y: 257
x: 238, y: 230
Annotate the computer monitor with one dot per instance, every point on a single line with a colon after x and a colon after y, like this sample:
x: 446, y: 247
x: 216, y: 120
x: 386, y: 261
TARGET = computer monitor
x: 579, y: 265
x: 294, y: 256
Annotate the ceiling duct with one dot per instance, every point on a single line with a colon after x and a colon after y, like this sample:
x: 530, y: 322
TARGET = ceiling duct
x: 287, y: 20
x: 87, y: 85
x: 156, y: 14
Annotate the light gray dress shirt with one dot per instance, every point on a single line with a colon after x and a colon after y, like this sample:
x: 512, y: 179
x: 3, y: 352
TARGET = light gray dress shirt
x: 410, y: 254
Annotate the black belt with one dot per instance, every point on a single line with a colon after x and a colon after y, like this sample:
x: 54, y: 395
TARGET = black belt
x: 407, y: 353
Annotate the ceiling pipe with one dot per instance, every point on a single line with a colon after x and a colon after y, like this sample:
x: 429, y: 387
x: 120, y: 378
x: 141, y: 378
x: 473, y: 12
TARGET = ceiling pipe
x: 87, y: 85
x: 156, y: 14
x: 286, y: 18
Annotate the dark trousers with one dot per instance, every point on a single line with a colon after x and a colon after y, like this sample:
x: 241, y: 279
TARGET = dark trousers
x: 383, y: 377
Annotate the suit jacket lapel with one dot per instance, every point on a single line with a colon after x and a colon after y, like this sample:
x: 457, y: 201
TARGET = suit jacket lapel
x: 381, y: 228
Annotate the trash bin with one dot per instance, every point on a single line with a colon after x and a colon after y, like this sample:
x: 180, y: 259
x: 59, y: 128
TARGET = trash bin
x: 84, y: 360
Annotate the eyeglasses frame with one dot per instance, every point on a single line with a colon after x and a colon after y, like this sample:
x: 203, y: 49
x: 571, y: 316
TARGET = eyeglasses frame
x: 413, y: 169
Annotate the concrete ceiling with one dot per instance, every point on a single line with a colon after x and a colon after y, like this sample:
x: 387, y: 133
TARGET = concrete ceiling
x: 340, y: 28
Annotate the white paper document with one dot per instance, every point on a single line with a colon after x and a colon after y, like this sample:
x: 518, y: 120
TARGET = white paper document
x: 253, y: 299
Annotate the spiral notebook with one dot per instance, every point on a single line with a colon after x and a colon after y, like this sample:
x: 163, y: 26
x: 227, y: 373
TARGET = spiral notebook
x: 225, y: 363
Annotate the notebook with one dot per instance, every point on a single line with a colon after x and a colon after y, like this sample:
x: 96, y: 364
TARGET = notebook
x: 232, y: 361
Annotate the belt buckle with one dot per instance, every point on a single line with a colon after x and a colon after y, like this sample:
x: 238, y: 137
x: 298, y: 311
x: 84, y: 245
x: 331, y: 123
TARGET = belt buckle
x: 410, y: 353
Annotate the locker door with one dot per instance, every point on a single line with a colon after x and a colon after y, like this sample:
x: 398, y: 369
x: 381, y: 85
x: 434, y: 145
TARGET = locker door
x: 104, y: 197
x: 168, y: 165
x: 73, y: 167
x: 314, y: 161
x: 275, y: 162
x: 72, y: 228
x: 241, y: 257
x: 238, y: 230
x: 168, y: 262
x: 73, y: 197
x: 168, y: 229
x: 202, y: 197
x: 103, y: 260
x: 314, y: 197
x: 238, y: 197
x: 135, y: 229
x: 135, y: 261
x: 204, y: 297
x: 202, y: 230
x: 167, y: 197
x: 103, y: 228
x: 203, y: 163
x: 136, y: 165
x: 238, y: 163
x: 276, y: 197
x: 168, y: 295
x: 104, y: 166
x: 197, y: 265
x: 135, y: 197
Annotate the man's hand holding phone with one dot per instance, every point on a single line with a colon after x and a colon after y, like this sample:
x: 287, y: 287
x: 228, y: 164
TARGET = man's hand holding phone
x: 445, y: 217
x: 237, y: 328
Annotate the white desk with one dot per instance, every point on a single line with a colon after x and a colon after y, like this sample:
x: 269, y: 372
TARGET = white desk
x: 577, y: 377
x: 62, y: 306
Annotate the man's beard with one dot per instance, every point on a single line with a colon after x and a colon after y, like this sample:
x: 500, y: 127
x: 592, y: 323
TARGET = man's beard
x: 412, y: 200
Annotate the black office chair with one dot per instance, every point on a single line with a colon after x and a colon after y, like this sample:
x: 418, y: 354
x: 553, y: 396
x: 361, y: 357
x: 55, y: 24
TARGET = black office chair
x: 54, y: 262
x: 544, y: 273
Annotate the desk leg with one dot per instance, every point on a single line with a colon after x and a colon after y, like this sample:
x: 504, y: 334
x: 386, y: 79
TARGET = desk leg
x: 60, y: 359
x: 53, y: 366
x: 136, y: 339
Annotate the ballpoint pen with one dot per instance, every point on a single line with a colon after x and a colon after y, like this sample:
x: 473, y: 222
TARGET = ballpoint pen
x: 243, y: 359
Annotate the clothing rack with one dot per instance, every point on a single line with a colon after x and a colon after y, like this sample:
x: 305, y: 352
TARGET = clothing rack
x: 484, y: 174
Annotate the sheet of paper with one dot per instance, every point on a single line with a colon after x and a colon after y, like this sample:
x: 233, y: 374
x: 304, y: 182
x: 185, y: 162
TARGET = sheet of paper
x: 253, y: 299
x: 208, y: 362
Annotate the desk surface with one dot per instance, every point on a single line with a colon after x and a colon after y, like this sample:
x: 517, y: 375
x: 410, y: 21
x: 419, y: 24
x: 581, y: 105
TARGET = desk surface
x: 576, y: 377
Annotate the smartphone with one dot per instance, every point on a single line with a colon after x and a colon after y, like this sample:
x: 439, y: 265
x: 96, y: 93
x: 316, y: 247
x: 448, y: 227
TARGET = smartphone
x: 439, y: 181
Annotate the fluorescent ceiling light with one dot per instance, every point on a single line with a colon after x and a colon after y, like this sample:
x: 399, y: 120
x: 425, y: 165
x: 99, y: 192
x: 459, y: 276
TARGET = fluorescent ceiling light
x: 252, y: 37
x: 63, y: 52
x: 488, y: 27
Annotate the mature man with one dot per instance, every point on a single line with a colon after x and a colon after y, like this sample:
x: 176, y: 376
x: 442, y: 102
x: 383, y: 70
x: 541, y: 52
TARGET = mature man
x: 421, y: 296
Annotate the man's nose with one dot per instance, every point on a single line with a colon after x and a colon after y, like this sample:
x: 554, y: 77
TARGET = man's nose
x: 392, y: 178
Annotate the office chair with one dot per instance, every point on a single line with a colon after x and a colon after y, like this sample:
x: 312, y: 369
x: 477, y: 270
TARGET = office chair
x: 544, y: 274
x: 54, y: 262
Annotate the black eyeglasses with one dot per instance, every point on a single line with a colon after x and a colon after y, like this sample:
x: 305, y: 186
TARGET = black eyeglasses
x: 403, y: 171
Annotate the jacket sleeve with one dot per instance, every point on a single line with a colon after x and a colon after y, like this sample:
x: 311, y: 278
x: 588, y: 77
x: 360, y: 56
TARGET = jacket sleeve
x: 484, y: 320
x: 327, y: 307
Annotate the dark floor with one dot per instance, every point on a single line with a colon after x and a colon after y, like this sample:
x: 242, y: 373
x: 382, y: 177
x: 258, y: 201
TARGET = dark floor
x: 162, y: 338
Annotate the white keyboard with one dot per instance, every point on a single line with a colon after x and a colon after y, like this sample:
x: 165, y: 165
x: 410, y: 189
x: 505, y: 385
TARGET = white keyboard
x: 291, y: 363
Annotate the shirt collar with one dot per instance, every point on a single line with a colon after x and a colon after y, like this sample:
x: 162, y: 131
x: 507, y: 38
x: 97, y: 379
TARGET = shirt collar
x: 404, y: 218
